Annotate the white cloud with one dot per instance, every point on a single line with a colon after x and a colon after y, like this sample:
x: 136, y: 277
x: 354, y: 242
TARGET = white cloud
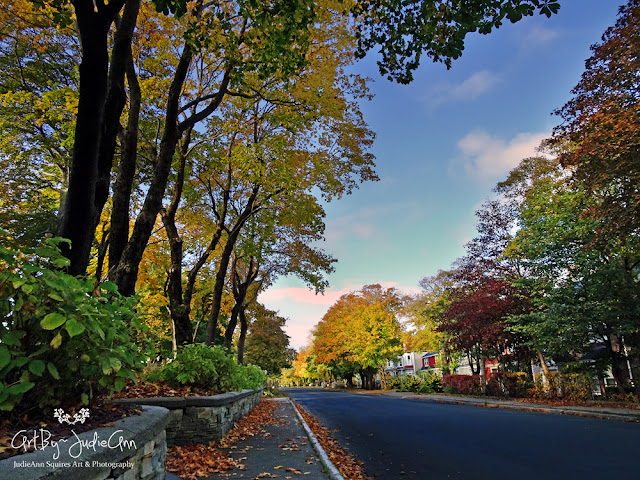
x: 469, y: 89
x: 486, y: 156
x: 474, y: 86
x: 539, y: 36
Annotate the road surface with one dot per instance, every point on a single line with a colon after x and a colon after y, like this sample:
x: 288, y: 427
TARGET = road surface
x: 415, y: 439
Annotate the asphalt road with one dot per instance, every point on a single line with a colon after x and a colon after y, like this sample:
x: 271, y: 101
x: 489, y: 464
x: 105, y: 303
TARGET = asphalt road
x: 412, y: 439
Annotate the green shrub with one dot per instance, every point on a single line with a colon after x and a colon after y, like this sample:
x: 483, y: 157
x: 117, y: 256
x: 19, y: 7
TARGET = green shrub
x: 208, y: 367
x: 394, y: 382
x: 423, y: 382
x: 61, y: 337
x: 431, y: 382
x: 410, y: 383
x: 575, y: 386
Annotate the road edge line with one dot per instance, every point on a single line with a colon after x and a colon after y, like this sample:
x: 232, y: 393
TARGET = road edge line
x: 334, y: 473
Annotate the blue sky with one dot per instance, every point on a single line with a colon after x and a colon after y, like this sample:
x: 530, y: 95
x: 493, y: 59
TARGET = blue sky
x: 442, y: 143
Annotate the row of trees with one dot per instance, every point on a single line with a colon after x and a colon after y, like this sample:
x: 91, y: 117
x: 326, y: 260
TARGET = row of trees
x: 553, y: 273
x: 226, y: 121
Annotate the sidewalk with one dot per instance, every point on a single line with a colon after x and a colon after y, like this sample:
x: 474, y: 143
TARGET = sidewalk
x: 285, y: 451
x: 621, y: 414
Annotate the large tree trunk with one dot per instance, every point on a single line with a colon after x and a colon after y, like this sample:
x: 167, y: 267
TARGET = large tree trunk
x: 543, y: 363
x: 100, y: 103
x: 123, y: 185
x: 367, y: 375
x: 77, y: 215
x: 126, y: 273
x: 218, y: 289
x: 179, y: 308
x: 233, y: 322
x: 119, y: 66
x: 619, y: 368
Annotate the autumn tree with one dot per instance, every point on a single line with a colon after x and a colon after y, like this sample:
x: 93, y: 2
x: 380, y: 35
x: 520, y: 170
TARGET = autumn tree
x: 583, y: 291
x: 361, y: 330
x: 276, y: 242
x: 598, y: 141
x: 475, y: 320
x: 263, y: 37
x: 300, y: 366
x: 483, y: 294
x: 37, y: 96
x: 424, y: 312
x: 599, y: 137
x: 267, y: 344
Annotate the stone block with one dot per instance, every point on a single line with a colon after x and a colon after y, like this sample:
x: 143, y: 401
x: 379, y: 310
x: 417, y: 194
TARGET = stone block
x: 100, y: 474
x: 146, y: 467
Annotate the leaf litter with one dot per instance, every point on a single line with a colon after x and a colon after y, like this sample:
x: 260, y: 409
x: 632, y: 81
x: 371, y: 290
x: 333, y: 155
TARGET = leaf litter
x: 190, y: 462
x: 345, y: 462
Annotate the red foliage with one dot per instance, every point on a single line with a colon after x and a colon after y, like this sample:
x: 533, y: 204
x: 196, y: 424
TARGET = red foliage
x: 464, y: 384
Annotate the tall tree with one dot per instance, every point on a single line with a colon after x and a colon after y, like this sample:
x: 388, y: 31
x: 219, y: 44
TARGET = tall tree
x: 267, y: 343
x: 599, y: 138
x: 361, y: 330
x: 276, y: 31
x: 583, y: 291
x: 425, y: 313
x: 37, y: 98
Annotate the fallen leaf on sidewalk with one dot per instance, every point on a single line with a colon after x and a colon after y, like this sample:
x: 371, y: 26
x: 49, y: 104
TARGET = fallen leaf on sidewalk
x: 192, y: 461
x: 350, y: 468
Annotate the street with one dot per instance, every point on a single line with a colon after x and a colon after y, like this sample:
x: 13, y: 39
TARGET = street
x: 421, y: 440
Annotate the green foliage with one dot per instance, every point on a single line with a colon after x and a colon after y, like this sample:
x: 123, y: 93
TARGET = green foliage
x: 267, y: 345
x: 208, y: 367
x: 62, y: 337
x: 424, y: 382
x: 404, y: 31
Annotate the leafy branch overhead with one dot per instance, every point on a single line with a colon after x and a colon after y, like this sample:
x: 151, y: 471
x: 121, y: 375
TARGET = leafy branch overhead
x: 404, y: 31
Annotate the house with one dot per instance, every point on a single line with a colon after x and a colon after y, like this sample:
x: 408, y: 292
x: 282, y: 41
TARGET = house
x: 464, y: 368
x: 410, y: 363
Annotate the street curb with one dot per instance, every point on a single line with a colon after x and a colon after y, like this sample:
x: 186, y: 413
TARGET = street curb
x: 620, y: 417
x: 333, y: 471
x: 543, y: 409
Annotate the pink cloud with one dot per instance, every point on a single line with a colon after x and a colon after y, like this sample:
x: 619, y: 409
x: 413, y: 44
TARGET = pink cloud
x: 302, y: 295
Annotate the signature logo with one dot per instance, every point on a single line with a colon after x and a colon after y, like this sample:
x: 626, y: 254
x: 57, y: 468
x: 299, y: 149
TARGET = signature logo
x: 63, y: 417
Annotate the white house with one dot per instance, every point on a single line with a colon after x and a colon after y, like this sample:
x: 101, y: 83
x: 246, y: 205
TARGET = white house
x: 410, y: 363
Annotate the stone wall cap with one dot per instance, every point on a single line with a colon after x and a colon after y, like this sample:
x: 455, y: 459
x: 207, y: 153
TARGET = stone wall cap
x: 136, y: 429
x: 173, y: 403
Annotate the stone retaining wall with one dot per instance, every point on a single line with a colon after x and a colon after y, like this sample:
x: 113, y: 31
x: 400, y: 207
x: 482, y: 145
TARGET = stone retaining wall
x: 133, y: 449
x: 202, y: 419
